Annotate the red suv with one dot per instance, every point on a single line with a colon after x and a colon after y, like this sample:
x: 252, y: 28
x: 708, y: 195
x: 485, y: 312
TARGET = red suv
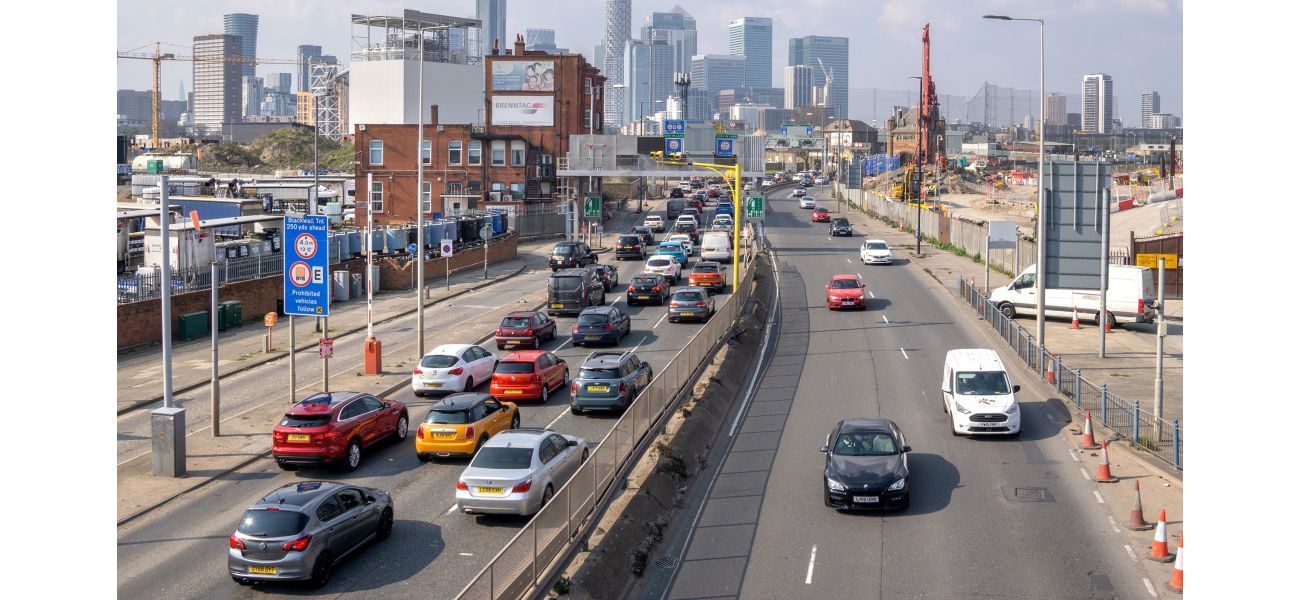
x: 331, y: 429
x: 531, y: 374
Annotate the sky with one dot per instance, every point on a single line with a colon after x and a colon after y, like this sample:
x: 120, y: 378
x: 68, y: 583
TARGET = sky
x: 1138, y: 42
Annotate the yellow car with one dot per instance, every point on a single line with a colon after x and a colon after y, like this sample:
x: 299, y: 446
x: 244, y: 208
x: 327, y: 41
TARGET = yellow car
x: 460, y: 424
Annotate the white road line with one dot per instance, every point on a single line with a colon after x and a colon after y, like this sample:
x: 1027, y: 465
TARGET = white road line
x: 453, y: 508
x: 467, y: 554
x: 1111, y: 519
x: 885, y: 319
x: 1086, y: 477
x: 1129, y: 549
x: 638, y: 344
x: 566, y: 343
x: 555, y: 420
x: 812, y: 560
x: 1150, y: 588
x: 846, y: 260
x: 1075, y: 456
x: 872, y: 295
x: 904, y: 353
x: 1098, y: 495
x: 661, y: 320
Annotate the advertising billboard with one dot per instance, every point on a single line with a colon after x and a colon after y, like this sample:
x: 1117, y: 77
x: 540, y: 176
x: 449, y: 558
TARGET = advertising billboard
x: 523, y: 110
x: 523, y: 75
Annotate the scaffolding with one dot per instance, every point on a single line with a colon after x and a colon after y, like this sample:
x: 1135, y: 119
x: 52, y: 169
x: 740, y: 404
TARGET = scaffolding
x: 442, y: 38
x: 997, y: 106
x: 328, y: 116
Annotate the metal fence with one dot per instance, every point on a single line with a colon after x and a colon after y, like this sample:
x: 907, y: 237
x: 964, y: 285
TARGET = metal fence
x: 1144, y: 430
x: 147, y: 285
x: 526, y: 561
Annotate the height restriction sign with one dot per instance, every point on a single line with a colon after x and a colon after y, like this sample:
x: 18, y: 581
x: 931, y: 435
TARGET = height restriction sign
x: 306, y: 287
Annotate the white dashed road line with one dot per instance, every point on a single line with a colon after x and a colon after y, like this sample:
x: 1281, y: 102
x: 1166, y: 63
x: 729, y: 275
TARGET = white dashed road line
x: 1129, y: 549
x: 566, y: 343
x: 1098, y: 495
x: 453, y: 508
x: 885, y: 319
x: 1075, y: 456
x: 1113, y: 525
x: 1150, y: 588
x: 904, y: 353
x: 1084, y: 471
x: 872, y: 295
x: 812, y: 560
x: 467, y: 554
x: 554, y: 421
x: 661, y: 320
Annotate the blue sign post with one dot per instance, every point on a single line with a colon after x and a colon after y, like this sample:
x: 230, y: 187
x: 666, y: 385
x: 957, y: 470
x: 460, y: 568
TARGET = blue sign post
x: 306, y: 266
x: 724, y: 146
x: 673, y: 145
x: 674, y: 126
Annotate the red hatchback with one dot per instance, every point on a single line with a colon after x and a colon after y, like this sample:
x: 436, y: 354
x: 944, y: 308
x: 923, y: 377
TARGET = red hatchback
x: 332, y: 429
x: 525, y: 328
x: 529, y: 374
x: 846, y: 291
x: 821, y: 215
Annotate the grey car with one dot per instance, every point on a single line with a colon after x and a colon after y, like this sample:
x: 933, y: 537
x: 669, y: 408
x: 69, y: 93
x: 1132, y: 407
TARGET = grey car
x: 518, y: 471
x: 693, y: 303
x: 301, y: 531
x: 608, y: 381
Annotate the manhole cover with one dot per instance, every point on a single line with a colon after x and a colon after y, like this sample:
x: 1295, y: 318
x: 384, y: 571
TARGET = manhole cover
x: 1028, y: 494
x: 666, y: 562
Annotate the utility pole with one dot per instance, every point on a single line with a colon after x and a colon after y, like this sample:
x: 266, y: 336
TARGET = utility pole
x: 419, y: 210
x: 1161, y: 329
x: 167, y: 424
x: 216, y: 385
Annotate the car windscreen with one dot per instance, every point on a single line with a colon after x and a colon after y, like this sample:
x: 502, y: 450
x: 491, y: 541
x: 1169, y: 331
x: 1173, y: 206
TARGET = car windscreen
x: 503, y: 458
x: 592, y: 319
x: 983, y: 383
x: 447, y: 417
x: 844, y: 284
x: 661, y: 263
x: 509, y: 367
x: 865, y: 443
x: 840, y: 221
x: 272, y: 523
x: 305, y: 420
x: 644, y: 281
x: 877, y: 246
x: 438, y: 361
x: 562, y: 250
x: 596, y: 373
x: 629, y: 239
x: 564, y: 284
x: 688, y: 296
x: 514, y: 323
x: 704, y: 268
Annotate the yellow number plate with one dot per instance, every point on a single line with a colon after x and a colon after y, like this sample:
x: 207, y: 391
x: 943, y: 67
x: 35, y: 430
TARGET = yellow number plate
x: 597, y: 388
x: 688, y: 314
x: 299, y: 437
x: 508, y: 392
x: 260, y: 570
x: 490, y: 490
x: 557, y: 305
x: 433, y: 385
x: 445, y: 434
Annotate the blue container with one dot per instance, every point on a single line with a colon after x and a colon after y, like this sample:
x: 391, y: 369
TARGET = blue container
x: 396, y: 239
x: 431, y: 232
x: 376, y: 240
x: 498, y: 224
x: 345, y: 244
x: 354, y: 242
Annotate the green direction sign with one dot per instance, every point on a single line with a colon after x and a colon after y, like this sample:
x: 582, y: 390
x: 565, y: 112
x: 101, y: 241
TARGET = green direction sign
x: 591, y: 207
x: 754, y: 207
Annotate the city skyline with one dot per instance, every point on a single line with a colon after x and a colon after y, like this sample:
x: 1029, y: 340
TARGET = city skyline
x: 884, y: 39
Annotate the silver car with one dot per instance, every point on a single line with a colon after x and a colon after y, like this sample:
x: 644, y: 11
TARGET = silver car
x: 299, y: 532
x: 518, y: 471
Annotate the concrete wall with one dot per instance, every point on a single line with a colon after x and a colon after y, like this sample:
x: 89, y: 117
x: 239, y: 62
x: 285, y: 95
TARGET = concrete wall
x: 376, y: 96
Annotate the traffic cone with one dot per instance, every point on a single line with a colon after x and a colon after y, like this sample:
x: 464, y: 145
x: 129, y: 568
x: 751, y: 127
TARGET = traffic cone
x: 1051, y: 369
x: 1075, y: 323
x: 1103, y: 469
x: 1175, y: 583
x: 1089, y: 443
x: 1160, y: 545
x: 1106, y: 320
x: 1137, y: 522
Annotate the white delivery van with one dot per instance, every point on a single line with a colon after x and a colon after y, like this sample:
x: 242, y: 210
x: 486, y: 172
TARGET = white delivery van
x: 715, y: 245
x: 1130, y: 298
x: 978, y: 394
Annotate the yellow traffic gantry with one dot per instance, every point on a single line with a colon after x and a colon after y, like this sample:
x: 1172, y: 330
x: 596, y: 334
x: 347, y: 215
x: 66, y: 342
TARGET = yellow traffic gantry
x: 722, y: 171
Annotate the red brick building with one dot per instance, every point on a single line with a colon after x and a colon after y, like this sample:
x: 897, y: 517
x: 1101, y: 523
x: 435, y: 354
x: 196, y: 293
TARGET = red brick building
x: 535, y: 101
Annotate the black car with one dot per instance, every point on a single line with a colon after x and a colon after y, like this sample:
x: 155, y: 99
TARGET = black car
x: 647, y: 236
x: 675, y: 192
x: 866, y: 465
x: 840, y: 226
x: 571, y: 255
x: 688, y: 229
x: 647, y: 288
x: 608, y: 275
x: 601, y: 324
x: 629, y: 246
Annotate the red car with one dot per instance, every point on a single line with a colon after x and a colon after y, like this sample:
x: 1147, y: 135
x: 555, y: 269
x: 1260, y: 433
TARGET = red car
x: 846, y: 291
x: 332, y: 428
x: 525, y: 328
x: 821, y: 215
x: 697, y: 204
x: 529, y: 374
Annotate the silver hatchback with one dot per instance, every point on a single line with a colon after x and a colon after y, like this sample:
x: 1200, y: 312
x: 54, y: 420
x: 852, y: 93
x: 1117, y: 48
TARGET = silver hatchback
x: 517, y: 471
x: 300, y: 531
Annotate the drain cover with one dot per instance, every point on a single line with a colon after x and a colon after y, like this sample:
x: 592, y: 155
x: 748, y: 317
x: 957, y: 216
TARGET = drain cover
x: 666, y: 562
x: 1028, y: 494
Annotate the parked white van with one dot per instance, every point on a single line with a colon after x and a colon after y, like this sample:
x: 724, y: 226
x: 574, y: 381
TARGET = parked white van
x: 715, y: 245
x: 1130, y: 298
x: 978, y: 394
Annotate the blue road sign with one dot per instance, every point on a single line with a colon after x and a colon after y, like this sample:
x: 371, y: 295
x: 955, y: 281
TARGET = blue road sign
x: 674, y: 126
x: 672, y: 145
x: 724, y: 147
x: 306, y: 264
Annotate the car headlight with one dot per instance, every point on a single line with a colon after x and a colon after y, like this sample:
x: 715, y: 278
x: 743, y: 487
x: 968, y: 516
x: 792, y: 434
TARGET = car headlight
x: 1015, y: 408
x: 961, y: 409
x: 897, y: 485
x: 834, y: 486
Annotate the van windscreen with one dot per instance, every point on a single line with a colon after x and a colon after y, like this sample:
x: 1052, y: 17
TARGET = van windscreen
x: 983, y: 383
x: 565, y: 284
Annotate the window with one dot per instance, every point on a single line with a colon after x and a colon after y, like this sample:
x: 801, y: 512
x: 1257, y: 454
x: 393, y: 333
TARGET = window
x: 517, y: 191
x: 328, y: 510
x: 497, y: 186
x: 426, y: 196
x: 352, y: 410
x: 349, y: 499
x: 517, y: 153
x: 453, y: 152
x: 586, y: 86
x: 376, y: 197
x: 454, y: 188
x: 475, y: 153
x: 426, y: 152
x: 586, y: 116
x: 272, y: 523
x: 376, y: 152
x: 499, y: 153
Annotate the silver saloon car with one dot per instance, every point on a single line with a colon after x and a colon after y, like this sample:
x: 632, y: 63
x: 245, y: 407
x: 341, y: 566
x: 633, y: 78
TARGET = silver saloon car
x: 300, y: 531
x: 518, y: 471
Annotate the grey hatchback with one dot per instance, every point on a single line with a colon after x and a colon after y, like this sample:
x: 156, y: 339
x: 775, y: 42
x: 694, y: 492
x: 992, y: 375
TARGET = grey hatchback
x: 608, y: 381
x: 301, y: 531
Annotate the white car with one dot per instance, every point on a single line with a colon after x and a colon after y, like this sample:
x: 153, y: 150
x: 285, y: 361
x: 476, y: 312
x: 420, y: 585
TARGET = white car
x: 799, y: 192
x: 723, y: 222
x: 452, y: 368
x: 518, y: 470
x: 684, y: 240
x: 876, y: 252
x: 664, y: 265
x: 688, y: 219
x: 821, y: 181
x: 807, y: 202
x: 655, y: 223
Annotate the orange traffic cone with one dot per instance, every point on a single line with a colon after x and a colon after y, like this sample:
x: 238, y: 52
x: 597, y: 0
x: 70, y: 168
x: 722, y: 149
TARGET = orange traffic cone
x: 1107, y: 322
x: 1103, y: 469
x: 1175, y: 583
x: 1074, y: 324
x: 1160, y: 545
x: 1089, y: 443
x: 1137, y: 522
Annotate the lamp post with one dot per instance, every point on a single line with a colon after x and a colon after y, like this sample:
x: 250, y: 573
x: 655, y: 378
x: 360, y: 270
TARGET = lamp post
x: 916, y: 162
x: 1042, y: 223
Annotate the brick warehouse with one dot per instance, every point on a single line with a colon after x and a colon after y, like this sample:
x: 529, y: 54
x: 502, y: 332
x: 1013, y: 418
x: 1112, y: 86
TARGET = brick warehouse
x: 535, y: 101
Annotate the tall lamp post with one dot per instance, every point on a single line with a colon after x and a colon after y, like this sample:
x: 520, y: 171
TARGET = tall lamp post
x: 916, y: 162
x: 1042, y: 223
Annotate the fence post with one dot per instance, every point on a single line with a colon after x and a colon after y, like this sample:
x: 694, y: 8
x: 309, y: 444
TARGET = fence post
x: 1056, y: 366
x: 1104, y: 402
x: 1078, y: 377
x: 534, y: 554
x: 1136, y: 403
x: 1042, y: 368
x: 1178, y: 455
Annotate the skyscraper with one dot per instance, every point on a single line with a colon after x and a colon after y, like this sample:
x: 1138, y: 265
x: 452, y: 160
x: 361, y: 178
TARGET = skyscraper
x: 834, y: 55
x: 244, y: 25
x: 305, y: 54
x: 1098, y: 103
x: 751, y: 37
x: 618, y: 30
x: 1054, y: 114
x: 677, y: 29
x: 713, y: 73
x: 280, y: 82
x: 493, y: 15
x: 217, y: 84
x: 1150, y: 106
x: 798, y: 86
x: 542, y: 40
x: 252, y: 91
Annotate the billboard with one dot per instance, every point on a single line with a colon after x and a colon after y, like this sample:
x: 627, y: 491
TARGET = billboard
x: 523, y: 110
x: 1077, y: 216
x: 523, y: 75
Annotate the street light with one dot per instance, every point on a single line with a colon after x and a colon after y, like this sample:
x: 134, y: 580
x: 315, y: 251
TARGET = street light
x: 916, y: 162
x: 1042, y: 223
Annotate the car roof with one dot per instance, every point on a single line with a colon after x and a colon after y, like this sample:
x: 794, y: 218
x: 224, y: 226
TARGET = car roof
x: 596, y: 310
x: 449, y: 349
x: 669, y: 243
x: 569, y: 273
x: 690, y: 288
x: 459, y: 401
x: 975, y: 359
x: 522, y: 436
x: 867, y: 424
x: 604, y: 359
x: 523, y: 356
x: 823, y: 209
x: 300, y: 493
x: 881, y: 241
x: 321, y: 403
x: 844, y: 276
x: 521, y: 314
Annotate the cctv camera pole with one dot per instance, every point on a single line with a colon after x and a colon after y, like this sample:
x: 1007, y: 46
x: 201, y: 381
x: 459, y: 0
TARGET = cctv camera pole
x: 216, y: 386
x: 167, y: 424
x: 1160, y: 356
x: 1104, y: 207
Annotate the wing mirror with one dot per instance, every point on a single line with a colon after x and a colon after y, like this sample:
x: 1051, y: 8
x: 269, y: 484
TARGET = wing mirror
x: 388, y: 405
x: 828, y: 286
x: 573, y: 442
x: 1015, y: 388
x: 907, y: 448
x: 825, y: 449
x: 370, y: 499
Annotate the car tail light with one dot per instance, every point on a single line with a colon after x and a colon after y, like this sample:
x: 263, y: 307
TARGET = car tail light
x: 622, y: 387
x: 1141, y: 305
x: 674, y: 304
x: 631, y: 289
x: 609, y: 327
x: 456, y: 371
x: 573, y: 388
x: 417, y: 371
x: 656, y: 289
x: 333, y: 436
x: 297, y: 545
x: 521, y: 488
x: 278, y: 436
x: 500, y: 331
x: 469, y: 432
x: 701, y: 303
x: 460, y: 485
x: 528, y: 331
x: 236, y: 543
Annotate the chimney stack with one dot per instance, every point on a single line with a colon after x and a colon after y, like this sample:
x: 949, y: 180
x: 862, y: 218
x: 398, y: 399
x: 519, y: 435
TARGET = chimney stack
x: 519, y: 45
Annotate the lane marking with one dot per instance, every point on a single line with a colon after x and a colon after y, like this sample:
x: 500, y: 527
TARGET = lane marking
x: 846, y: 260
x: 638, y: 344
x: 1074, y: 455
x: 904, y: 354
x: 1129, y: 549
x: 566, y: 342
x: 753, y: 378
x: 467, y: 554
x: 872, y: 295
x: 1099, y: 500
x: 812, y: 560
x: 885, y: 319
x: 1150, y: 588
x: 453, y: 508
x: 661, y: 320
x: 1112, y: 522
x: 1084, y: 471
x: 555, y: 420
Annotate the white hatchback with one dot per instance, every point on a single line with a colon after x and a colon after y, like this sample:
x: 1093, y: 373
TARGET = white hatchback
x: 667, y: 266
x: 876, y: 252
x: 452, y: 368
x: 806, y: 202
x: 684, y: 240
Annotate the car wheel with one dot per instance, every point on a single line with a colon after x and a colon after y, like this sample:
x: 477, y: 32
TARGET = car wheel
x: 1110, y: 317
x: 501, y: 346
x: 403, y: 427
x: 537, y: 343
x: 546, y: 495
x: 385, y: 528
x: 1017, y: 433
x: 943, y: 404
x: 575, y: 410
x: 418, y: 394
x: 469, y: 384
x: 952, y: 426
x: 352, y: 456
x: 584, y: 454
x: 514, y: 421
x: 482, y: 439
x: 1008, y: 310
x: 576, y: 344
x: 546, y: 395
x: 321, y: 571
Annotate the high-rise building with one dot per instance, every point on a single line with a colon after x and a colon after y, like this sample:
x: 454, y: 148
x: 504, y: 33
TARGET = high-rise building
x: 647, y: 76
x: 217, y: 82
x: 1054, y: 114
x: 245, y: 26
x: 834, y: 55
x: 180, y: 93
x: 493, y: 15
x: 306, y: 54
x: 618, y: 30
x: 1150, y: 106
x: 798, y: 86
x: 542, y: 40
x: 751, y: 37
x: 280, y: 82
x: 253, y: 92
x: 677, y: 29
x: 713, y: 73
x: 1164, y: 121
x: 1098, y: 103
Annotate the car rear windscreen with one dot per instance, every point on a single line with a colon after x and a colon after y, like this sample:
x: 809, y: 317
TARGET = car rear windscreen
x: 447, y: 417
x: 272, y: 523
x: 305, y: 420
x: 704, y: 268
x: 562, y: 250
x: 592, y: 319
x: 658, y: 262
x: 438, y: 361
x: 629, y: 239
x: 515, y: 367
x: 588, y: 373
x: 514, y: 323
x: 565, y: 284
x: 644, y: 281
x: 503, y: 458
x: 688, y: 296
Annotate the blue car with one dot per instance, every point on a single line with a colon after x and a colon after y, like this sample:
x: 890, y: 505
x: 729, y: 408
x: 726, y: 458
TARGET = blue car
x: 725, y: 208
x: 674, y: 250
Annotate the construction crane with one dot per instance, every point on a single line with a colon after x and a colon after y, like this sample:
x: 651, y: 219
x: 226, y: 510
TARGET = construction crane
x: 158, y: 56
x: 826, y: 89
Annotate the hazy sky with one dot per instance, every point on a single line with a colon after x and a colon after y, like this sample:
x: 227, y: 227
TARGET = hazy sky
x: 1138, y: 42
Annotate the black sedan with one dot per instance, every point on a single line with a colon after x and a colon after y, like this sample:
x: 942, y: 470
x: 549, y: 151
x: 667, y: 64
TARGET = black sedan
x: 840, y: 226
x: 866, y: 465
x: 608, y: 275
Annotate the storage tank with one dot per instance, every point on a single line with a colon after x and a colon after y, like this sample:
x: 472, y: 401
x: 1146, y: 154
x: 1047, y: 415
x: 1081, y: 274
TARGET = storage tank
x: 395, y: 238
x: 354, y: 242
x: 162, y: 163
x: 345, y: 244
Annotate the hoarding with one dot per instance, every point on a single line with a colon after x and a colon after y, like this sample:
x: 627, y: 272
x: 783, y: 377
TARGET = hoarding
x: 523, y: 75
x: 536, y: 111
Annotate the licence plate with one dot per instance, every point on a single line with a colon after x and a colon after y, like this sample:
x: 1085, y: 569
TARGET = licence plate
x: 627, y: 247
x: 643, y: 297
x: 688, y: 314
x: 299, y: 437
x: 261, y: 570
x: 867, y: 499
x: 597, y: 388
x: 445, y: 434
x: 508, y: 392
x: 433, y: 385
x: 556, y: 305
x: 847, y: 301
x: 490, y: 490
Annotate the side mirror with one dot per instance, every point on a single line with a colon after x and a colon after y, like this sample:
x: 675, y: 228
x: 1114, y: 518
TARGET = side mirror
x: 388, y: 405
x: 907, y: 448
x: 825, y: 449
x: 573, y: 442
x: 370, y: 499
x: 1015, y: 388
x: 828, y: 286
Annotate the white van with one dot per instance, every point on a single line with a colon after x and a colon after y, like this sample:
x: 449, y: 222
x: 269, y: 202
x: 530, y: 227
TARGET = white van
x: 978, y: 394
x: 715, y: 245
x: 1129, y: 299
